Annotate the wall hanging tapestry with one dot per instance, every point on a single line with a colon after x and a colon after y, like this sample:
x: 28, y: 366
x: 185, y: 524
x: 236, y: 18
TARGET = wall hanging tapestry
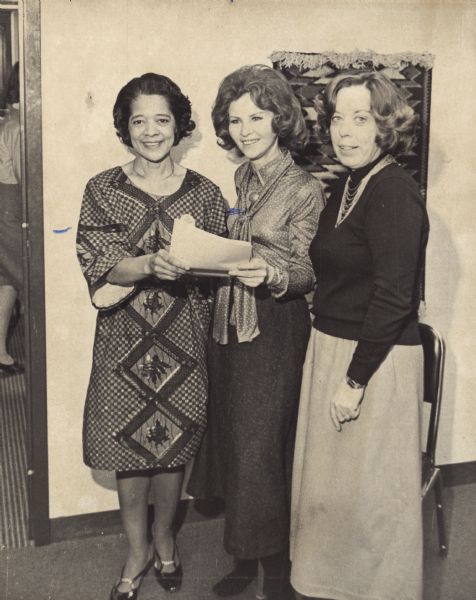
x: 309, y: 73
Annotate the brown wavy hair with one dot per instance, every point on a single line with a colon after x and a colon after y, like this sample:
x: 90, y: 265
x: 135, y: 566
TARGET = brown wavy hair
x: 396, y: 121
x: 152, y: 84
x: 269, y: 90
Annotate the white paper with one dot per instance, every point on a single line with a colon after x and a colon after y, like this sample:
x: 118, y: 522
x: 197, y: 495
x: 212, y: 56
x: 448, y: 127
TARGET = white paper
x: 203, y: 252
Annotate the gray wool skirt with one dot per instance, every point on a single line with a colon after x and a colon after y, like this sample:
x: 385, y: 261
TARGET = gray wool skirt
x: 247, y: 451
x: 356, y: 527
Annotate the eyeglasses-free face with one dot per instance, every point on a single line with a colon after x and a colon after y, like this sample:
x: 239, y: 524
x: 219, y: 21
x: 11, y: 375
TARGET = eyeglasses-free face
x: 251, y: 128
x: 353, y: 128
x: 151, y: 127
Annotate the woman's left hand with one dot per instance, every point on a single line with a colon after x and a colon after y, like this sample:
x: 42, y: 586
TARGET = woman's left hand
x: 345, y: 404
x: 252, y: 273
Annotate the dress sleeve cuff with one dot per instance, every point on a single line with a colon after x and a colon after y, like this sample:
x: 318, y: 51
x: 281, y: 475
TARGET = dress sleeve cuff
x: 108, y: 295
x: 278, y: 285
x: 360, y: 373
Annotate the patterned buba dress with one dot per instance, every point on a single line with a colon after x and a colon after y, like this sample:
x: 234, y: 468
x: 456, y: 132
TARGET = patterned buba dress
x: 146, y: 400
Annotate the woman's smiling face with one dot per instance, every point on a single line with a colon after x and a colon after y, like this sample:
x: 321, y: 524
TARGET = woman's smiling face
x: 151, y: 127
x: 251, y: 128
x: 353, y: 128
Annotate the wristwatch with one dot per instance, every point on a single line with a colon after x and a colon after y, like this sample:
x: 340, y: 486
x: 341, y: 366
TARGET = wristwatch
x: 353, y: 384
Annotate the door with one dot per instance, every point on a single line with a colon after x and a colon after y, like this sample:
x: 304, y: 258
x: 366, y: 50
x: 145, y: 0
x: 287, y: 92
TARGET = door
x: 35, y: 342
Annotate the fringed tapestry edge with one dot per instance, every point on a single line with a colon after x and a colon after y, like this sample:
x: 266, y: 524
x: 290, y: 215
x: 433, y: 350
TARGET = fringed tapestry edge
x: 357, y: 59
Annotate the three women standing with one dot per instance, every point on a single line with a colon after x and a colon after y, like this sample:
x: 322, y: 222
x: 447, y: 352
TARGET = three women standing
x: 261, y: 328
x: 356, y: 503
x: 146, y: 403
x: 356, y: 523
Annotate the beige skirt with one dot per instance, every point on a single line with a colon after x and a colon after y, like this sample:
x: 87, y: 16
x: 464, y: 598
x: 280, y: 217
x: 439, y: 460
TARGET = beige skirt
x: 356, y: 528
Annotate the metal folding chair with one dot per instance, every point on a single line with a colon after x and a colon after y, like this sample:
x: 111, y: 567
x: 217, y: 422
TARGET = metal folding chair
x: 434, y: 358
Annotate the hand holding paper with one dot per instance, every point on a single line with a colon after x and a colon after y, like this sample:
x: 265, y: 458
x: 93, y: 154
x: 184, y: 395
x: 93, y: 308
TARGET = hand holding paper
x: 252, y: 273
x: 165, y: 266
x: 205, y: 253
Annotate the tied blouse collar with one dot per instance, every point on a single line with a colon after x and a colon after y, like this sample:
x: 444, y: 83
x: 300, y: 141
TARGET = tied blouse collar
x: 242, y: 312
x: 265, y: 173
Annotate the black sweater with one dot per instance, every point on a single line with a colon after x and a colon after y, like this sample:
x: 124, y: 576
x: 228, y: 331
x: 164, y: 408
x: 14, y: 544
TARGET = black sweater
x: 369, y: 268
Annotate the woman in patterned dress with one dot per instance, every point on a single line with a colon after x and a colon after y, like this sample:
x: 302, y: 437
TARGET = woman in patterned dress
x: 146, y: 403
x: 356, y: 530
x: 261, y: 328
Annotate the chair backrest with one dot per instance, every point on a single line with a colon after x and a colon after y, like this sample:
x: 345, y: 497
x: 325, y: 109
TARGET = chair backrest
x: 434, y: 358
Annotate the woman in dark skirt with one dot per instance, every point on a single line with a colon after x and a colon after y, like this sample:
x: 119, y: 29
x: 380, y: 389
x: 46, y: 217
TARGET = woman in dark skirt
x: 261, y: 327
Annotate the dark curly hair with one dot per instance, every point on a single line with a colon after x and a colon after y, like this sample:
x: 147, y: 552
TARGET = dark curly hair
x: 152, y: 84
x: 269, y: 90
x: 395, y: 119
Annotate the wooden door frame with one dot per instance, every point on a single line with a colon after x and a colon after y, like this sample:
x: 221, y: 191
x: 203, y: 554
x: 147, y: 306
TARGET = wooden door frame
x: 7, y: 55
x: 34, y: 267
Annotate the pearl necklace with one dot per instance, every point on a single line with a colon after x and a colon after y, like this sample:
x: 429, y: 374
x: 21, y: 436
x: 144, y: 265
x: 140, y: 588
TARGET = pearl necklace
x: 351, y: 196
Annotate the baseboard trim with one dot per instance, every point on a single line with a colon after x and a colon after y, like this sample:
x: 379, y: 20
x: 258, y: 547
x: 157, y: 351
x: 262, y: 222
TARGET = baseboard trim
x: 190, y: 511
x: 109, y: 522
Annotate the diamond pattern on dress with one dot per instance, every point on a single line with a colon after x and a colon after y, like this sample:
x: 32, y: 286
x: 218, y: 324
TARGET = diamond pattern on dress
x: 150, y: 306
x: 158, y: 434
x: 147, y: 396
x: 156, y: 362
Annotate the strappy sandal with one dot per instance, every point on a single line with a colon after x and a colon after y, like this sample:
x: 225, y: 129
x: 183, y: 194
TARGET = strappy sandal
x: 170, y: 582
x: 134, y: 588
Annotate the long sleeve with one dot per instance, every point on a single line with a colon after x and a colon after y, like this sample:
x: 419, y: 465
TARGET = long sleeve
x: 101, y: 243
x: 297, y: 276
x: 396, y: 229
x: 215, y: 214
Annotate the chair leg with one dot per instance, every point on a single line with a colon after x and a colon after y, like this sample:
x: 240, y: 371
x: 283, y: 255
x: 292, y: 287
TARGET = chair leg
x: 260, y: 595
x: 440, y: 517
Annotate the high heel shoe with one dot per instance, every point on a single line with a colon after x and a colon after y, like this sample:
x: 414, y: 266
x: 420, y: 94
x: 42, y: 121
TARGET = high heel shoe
x: 171, y: 582
x: 134, y: 589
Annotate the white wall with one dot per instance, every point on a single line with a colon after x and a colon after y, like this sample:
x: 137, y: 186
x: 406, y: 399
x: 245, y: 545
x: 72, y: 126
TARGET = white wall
x: 90, y: 49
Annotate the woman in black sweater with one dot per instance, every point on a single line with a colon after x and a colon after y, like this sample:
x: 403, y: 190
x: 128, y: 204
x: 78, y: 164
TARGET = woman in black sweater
x: 356, y: 516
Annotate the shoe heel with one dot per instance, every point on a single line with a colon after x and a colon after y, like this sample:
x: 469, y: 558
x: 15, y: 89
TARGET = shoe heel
x: 170, y: 582
x: 134, y: 589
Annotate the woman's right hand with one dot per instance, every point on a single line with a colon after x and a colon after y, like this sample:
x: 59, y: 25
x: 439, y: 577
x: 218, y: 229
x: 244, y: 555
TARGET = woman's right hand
x: 164, y: 266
